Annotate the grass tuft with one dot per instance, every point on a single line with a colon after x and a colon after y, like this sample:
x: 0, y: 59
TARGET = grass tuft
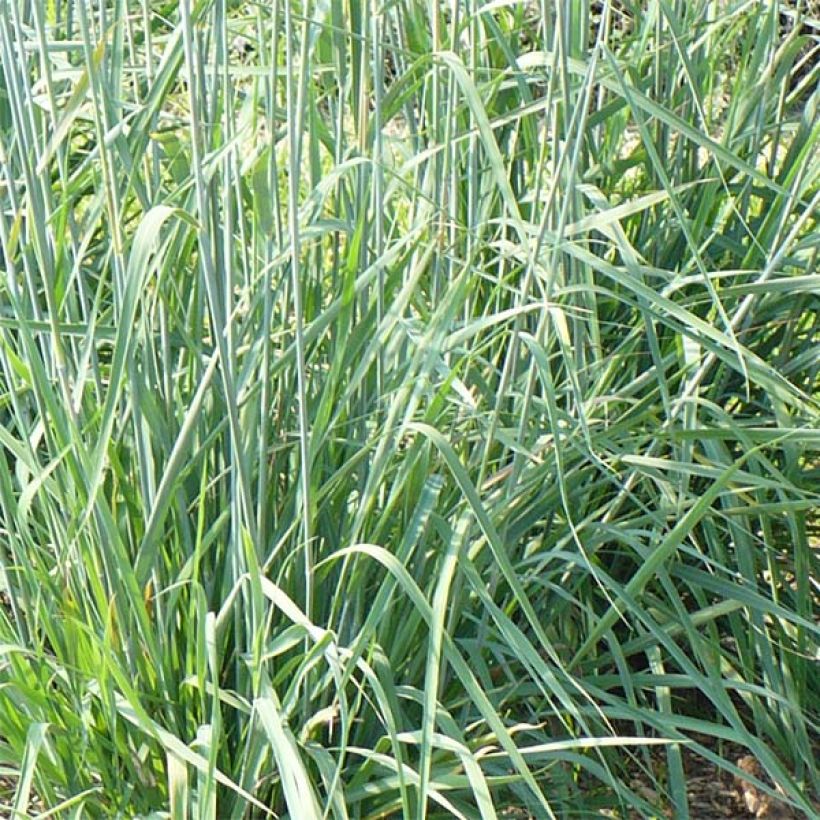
x: 407, y: 409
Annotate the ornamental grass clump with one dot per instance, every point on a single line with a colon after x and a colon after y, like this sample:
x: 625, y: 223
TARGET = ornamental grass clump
x: 408, y: 409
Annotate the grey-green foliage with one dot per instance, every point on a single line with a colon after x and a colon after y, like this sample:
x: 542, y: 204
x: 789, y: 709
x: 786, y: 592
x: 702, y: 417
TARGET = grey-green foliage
x: 406, y: 408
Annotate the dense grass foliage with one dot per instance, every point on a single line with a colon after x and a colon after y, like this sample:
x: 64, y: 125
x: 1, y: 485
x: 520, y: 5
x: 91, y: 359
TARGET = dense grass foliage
x: 407, y: 409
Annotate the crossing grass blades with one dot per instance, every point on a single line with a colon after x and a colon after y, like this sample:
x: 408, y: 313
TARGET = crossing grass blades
x: 407, y: 409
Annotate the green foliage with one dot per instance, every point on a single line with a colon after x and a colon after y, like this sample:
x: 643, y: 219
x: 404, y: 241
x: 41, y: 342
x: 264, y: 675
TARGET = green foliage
x: 407, y: 409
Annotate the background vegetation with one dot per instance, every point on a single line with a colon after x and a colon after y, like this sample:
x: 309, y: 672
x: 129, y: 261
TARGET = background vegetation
x: 407, y: 408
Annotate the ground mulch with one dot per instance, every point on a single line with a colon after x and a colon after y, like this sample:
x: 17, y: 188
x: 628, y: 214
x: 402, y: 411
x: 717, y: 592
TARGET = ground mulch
x: 715, y: 794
